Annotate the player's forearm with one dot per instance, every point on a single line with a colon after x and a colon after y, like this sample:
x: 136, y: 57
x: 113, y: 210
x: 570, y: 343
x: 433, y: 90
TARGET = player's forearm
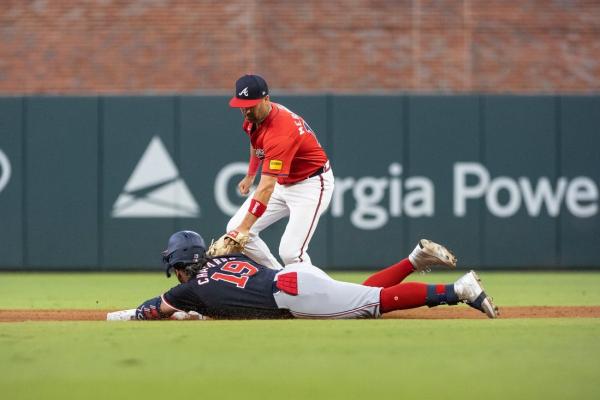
x: 154, y: 308
x: 247, y: 223
x: 131, y: 314
x: 263, y: 193
x: 261, y: 198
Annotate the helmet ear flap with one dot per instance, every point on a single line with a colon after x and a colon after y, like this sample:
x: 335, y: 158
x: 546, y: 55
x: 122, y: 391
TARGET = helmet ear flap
x: 165, y: 259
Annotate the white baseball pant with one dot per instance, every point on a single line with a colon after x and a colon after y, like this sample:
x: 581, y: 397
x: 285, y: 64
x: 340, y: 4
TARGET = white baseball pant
x: 304, y: 202
x: 321, y: 296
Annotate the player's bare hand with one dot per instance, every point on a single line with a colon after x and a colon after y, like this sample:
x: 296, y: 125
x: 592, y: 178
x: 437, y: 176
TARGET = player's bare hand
x: 245, y: 184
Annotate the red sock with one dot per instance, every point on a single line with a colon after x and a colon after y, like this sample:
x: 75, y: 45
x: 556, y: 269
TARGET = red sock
x: 403, y: 296
x: 416, y: 294
x: 391, y: 275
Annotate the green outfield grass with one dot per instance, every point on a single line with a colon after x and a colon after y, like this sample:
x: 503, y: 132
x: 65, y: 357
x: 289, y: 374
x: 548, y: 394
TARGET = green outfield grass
x: 127, y: 290
x: 364, y: 359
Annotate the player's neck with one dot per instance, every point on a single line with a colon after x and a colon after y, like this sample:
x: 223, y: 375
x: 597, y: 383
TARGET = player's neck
x: 266, y: 115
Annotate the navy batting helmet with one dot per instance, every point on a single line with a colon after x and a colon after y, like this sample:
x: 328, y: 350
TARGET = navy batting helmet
x: 184, y: 248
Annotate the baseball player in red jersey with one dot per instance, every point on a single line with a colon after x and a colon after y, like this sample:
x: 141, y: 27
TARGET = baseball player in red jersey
x: 296, y: 178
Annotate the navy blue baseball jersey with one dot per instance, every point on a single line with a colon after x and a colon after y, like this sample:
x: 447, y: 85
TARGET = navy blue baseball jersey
x: 228, y: 287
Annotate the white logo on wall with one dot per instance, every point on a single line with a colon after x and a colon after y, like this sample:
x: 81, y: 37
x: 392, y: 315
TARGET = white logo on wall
x: 4, y: 170
x: 155, y: 189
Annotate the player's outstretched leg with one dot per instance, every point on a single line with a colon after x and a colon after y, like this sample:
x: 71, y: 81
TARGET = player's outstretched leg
x: 428, y: 253
x: 404, y: 296
x: 469, y: 289
x: 391, y: 275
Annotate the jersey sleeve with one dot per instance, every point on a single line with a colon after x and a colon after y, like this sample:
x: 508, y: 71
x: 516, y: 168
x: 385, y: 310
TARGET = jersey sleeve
x: 253, y: 165
x: 279, y: 154
x: 182, y: 298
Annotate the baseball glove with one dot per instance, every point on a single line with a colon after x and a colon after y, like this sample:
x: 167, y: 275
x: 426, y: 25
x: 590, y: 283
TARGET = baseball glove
x: 230, y: 243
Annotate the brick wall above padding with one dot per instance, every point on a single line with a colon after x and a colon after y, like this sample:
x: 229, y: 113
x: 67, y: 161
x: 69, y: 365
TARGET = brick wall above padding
x: 185, y: 46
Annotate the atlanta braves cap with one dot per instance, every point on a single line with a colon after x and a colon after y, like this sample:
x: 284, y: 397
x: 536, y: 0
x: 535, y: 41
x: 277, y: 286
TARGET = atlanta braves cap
x: 249, y: 90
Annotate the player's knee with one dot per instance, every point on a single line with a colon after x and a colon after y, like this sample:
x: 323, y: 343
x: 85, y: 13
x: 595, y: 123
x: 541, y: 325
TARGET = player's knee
x: 289, y: 256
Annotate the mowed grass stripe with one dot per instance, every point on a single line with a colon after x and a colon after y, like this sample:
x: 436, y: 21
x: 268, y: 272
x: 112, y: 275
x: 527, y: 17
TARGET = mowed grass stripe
x: 364, y: 359
x: 127, y: 290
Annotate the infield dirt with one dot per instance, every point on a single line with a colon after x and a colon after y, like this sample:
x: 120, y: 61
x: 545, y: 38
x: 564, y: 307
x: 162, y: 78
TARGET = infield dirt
x: 434, y: 313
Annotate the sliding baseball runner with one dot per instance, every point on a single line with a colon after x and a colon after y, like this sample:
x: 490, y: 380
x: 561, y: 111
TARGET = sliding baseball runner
x: 235, y: 286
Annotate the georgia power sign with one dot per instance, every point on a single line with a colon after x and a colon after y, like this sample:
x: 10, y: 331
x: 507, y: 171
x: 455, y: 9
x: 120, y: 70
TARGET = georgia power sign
x: 5, y: 170
x: 156, y: 189
x: 371, y: 201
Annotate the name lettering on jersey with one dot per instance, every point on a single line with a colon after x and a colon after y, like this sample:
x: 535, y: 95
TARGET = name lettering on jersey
x: 300, y: 126
x: 298, y: 121
x: 215, y: 261
x: 202, y: 276
x: 275, y: 165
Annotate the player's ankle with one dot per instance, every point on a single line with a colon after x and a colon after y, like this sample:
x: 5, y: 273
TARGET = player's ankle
x: 441, y: 294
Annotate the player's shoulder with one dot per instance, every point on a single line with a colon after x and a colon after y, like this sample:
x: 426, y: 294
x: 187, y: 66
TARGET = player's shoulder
x: 283, y: 125
x: 179, y: 291
x: 283, y: 113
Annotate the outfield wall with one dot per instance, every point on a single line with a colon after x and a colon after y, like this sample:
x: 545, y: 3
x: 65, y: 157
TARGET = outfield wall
x: 101, y: 182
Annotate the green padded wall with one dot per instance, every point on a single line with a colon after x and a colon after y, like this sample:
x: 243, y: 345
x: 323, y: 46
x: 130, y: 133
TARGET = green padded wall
x: 99, y: 183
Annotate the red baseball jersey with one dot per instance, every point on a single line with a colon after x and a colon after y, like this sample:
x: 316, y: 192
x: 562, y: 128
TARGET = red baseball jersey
x: 286, y: 145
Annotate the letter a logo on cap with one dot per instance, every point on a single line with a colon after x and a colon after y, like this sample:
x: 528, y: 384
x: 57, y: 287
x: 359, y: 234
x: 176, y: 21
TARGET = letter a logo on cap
x: 249, y: 91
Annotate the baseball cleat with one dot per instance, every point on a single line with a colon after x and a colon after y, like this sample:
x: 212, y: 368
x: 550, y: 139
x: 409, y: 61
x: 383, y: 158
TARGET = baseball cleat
x: 470, y: 291
x: 428, y: 253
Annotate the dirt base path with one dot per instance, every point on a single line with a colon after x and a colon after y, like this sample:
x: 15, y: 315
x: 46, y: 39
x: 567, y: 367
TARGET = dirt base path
x: 419, y: 313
